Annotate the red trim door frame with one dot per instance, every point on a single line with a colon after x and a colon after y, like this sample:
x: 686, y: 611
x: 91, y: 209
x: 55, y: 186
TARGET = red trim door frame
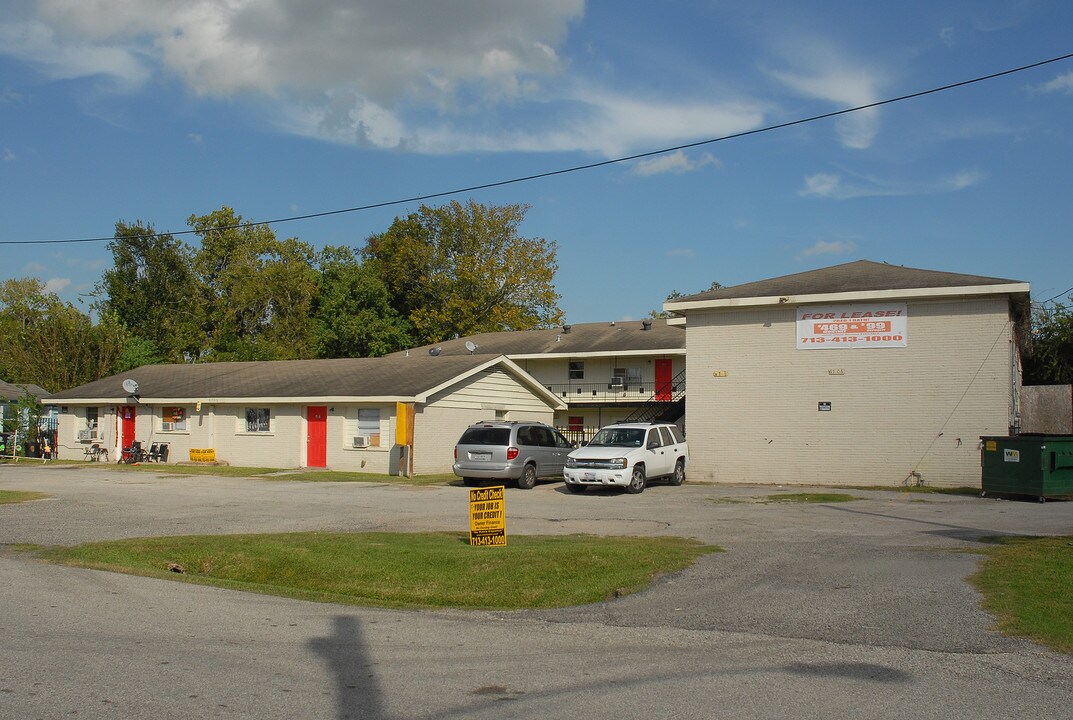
x: 127, y: 414
x: 317, y: 436
x: 664, y: 375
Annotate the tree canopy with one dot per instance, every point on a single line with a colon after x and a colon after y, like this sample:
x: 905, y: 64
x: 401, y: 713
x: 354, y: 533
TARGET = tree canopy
x: 462, y: 269
x: 242, y: 293
x: 45, y: 341
x: 1050, y: 358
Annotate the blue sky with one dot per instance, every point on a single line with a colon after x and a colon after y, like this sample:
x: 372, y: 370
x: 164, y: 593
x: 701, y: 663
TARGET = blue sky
x: 153, y: 111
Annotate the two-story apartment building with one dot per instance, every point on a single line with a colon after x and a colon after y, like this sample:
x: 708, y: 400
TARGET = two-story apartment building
x: 602, y: 372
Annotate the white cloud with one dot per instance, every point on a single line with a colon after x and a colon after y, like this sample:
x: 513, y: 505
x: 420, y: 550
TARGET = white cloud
x: 382, y: 49
x: 56, y: 285
x: 830, y: 247
x: 824, y: 185
x: 34, y: 268
x: 947, y: 36
x: 825, y: 75
x: 677, y: 162
x: 63, y: 59
x: 196, y: 138
x: 1062, y: 84
x: 8, y: 155
x: 460, y: 76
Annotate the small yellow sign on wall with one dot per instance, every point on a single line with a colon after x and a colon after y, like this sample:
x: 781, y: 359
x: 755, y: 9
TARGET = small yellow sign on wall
x: 487, y: 516
x: 205, y: 455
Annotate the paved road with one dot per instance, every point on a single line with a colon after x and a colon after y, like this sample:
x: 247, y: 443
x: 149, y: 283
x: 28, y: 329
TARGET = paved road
x: 844, y: 610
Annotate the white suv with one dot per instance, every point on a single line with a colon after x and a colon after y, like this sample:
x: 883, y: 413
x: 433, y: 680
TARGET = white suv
x: 628, y: 455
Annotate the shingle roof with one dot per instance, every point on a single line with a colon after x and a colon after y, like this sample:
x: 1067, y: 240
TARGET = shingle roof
x: 297, y: 379
x: 603, y: 337
x: 859, y: 276
x: 12, y: 392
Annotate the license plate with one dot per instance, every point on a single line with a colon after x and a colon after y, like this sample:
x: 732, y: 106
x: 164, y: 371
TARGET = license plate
x: 480, y: 456
x: 589, y: 476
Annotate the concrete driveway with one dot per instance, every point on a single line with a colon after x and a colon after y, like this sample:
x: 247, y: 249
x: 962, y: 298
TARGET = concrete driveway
x: 844, y: 610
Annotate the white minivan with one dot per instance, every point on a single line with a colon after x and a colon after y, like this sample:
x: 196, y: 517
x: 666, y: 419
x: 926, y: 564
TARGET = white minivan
x: 628, y: 455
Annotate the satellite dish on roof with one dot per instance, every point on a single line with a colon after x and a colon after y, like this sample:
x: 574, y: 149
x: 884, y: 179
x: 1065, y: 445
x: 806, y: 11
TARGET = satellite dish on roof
x: 471, y: 346
x: 130, y: 385
x: 435, y: 351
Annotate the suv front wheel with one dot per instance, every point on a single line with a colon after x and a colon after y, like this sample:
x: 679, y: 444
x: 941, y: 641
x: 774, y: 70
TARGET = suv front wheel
x: 528, y: 478
x: 637, y: 480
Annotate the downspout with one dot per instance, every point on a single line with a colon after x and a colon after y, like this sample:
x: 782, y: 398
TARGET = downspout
x: 1015, y: 380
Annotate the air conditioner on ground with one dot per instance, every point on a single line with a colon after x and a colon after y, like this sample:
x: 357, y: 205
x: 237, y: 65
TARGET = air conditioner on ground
x: 361, y: 441
x: 167, y: 426
x: 87, y: 435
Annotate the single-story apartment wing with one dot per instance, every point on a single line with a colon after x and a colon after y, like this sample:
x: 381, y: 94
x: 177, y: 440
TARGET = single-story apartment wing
x: 341, y: 414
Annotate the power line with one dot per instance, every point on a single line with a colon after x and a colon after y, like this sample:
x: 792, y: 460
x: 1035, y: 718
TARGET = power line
x: 578, y: 168
x: 1064, y: 292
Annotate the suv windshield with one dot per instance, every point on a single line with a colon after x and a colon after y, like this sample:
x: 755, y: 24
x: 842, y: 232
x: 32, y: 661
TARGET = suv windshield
x: 485, y: 436
x: 619, y: 437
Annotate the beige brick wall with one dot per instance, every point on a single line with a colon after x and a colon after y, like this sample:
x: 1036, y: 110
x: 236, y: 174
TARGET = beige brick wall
x: 440, y: 423
x: 894, y: 410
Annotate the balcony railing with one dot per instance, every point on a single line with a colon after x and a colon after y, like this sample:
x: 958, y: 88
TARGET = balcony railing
x: 613, y: 392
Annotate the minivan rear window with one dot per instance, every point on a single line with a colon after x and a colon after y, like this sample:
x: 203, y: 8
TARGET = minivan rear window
x: 485, y: 436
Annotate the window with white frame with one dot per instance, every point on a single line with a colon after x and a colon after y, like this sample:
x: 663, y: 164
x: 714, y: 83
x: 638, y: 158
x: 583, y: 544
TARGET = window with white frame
x: 89, y: 432
x: 173, y: 419
x: 369, y: 425
x: 258, y: 420
x: 577, y: 370
x: 363, y: 427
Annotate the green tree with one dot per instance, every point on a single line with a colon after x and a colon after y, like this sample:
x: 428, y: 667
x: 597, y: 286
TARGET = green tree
x: 353, y: 315
x: 257, y: 292
x: 151, y: 289
x: 51, y: 343
x: 463, y: 269
x: 1050, y: 359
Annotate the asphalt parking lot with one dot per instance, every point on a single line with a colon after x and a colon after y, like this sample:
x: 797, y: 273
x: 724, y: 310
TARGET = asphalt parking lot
x: 854, y: 609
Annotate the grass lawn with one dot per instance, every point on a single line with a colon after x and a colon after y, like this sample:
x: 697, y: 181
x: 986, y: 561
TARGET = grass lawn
x: 1027, y: 583
x: 401, y: 569
x: 16, y: 496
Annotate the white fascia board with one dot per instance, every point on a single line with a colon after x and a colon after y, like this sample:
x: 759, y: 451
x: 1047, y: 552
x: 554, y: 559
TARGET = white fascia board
x: 601, y: 353
x: 154, y: 401
x: 90, y: 402
x: 855, y: 296
x: 318, y: 400
x: 526, y: 379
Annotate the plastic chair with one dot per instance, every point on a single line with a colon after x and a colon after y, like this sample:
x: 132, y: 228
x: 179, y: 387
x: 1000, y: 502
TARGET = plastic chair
x: 92, y: 453
x: 154, y: 453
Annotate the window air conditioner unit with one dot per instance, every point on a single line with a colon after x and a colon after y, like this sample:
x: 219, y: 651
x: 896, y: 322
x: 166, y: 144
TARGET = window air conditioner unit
x: 87, y: 435
x: 167, y: 426
x: 618, y: 381
x: 361, y: 441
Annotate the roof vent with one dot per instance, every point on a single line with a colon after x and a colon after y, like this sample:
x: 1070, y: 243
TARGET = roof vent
x: 435, y: 351
x: 566, y: 328
x: 646, y: 324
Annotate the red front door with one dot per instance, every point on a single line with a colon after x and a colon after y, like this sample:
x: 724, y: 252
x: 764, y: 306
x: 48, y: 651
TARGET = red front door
x: 126, y: 428
x: 316, y: 436
x: 663, y: 379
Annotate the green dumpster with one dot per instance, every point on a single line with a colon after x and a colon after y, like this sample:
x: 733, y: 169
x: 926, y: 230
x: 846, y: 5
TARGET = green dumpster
x: 1036, y: 465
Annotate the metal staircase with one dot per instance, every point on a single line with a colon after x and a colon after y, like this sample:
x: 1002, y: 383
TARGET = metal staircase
x: 665, y: 409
